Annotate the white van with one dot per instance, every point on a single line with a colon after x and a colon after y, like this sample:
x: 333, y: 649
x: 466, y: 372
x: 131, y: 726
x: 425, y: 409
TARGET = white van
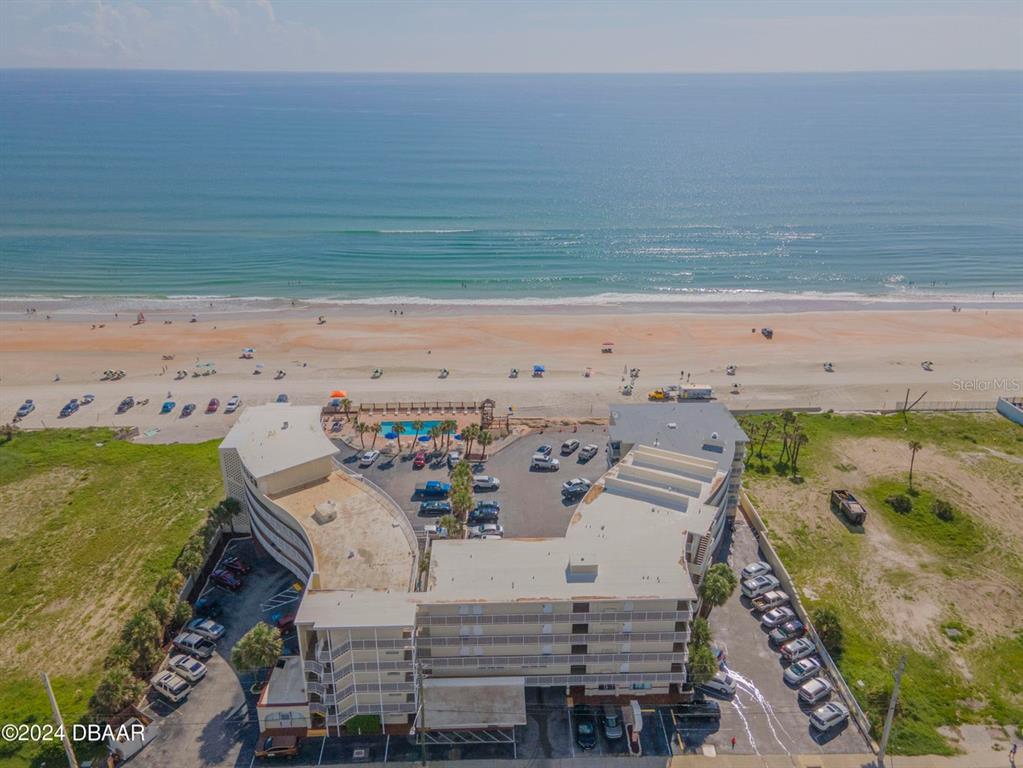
x: 542, y: 462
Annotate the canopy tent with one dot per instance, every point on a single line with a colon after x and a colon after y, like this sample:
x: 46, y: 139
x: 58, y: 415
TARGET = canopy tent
x: 538, y: 369
x: 339, y: 393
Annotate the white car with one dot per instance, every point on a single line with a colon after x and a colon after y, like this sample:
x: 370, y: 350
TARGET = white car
x: 190, y: 669
x: 486, y: 530
x: 753, y: 570
x: 828, y: 716
x: 171, y: 687
x: 542, y: 461
x: 759, y: 585
x: 588, y: 452
x: 577, y: 486
x: 485, y: 483
x: 194, y: 645
x: 368, y: 458
x: 797, y: 649
x: 569, y: 446
x: 722, y: 684
x: 803, y: 670
x: 777, y: 616
x: 435, y: 531
x: 206, y: 628
x: 814, y: 690
x: 232, y: 404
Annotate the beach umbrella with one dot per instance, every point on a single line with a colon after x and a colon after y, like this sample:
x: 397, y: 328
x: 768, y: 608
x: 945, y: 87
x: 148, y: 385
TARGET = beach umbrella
x: 391, y: 435
x: 425, y: 438
x: 609, y: 343
x: 538, y: 369
x: 339, y: 393
x: 458, y: 437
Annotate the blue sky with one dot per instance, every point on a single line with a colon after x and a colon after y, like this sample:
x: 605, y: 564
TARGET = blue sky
x: 527, y: 36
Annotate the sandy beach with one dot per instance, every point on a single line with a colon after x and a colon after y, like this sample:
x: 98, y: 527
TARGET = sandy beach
x: 877, y: 355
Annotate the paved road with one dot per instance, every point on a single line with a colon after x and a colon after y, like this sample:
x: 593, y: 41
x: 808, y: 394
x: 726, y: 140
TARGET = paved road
x: 765, y: 717
x: 531, y: 503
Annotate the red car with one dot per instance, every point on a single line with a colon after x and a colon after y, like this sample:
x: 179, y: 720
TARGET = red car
x: 227, y: 579
x: 213, y: 405
x: 237, y: 565
x: 419, y: 460
x: 286, y: 622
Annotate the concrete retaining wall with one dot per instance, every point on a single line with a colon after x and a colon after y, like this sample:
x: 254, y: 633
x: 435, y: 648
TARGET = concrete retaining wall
x: 760, y: 530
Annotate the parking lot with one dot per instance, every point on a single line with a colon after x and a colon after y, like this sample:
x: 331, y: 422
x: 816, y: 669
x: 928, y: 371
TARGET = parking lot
x: 531, y: 502
x: 216, y: 724
x: 765, y: 716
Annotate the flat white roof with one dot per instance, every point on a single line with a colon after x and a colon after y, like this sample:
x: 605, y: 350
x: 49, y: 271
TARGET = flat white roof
x: 277, y: 436
x: 348, y: 608
x: 475, y: 702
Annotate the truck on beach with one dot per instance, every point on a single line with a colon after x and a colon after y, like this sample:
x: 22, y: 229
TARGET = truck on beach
x: 843, y: 501
x: 433, y: 489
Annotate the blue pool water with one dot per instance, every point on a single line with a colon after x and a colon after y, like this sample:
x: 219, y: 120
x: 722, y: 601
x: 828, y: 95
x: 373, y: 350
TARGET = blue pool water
x: 456, y: 188
x: 409, y: 429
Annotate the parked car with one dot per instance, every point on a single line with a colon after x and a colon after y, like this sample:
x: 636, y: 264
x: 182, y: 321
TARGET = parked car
x: 815, y: 690
x: 545, y: 450
x: 435, y: 508
x: 485, y: 483
x: 577, y: 486
x: 236, y: 564
x: 797, y: 649
x: 699, y: 709
x: 482, y: 515
x: 171, y: 687
x: 126, y: 405
x: 759, y: 585
x: 770, y: 600
x: 613, y: 722
x: 188, y: 668
x: 368, y: 458
x: 485, y: 529
x: 212, y: 405
x: 829, y: 716
x: 722, y: 684
x: 803, y: 670
x: 569, y: 447
x: 486, y: 507
x: 759, y: 568
x: 419, y: 460
x: 69, y: 408
x: 453, y: 458
x: 585, y: 726
x: 87, y: 399
x: 435, y: 531
x: 208, y: 606
x: 588, y: 452
x: 433, y: 489
x: 225, y: 578
x: 26, y: 408
x: 194, y: 645
x: 282, y: 398
x: 777, y: 616
x: 286, y: 623
x: 206, y: 628
x: 790, y: 630
x: 277, y: 746
x: 543, y: 462
x: 335, y: 427
x: 232, y: 404
x: 188, y: 410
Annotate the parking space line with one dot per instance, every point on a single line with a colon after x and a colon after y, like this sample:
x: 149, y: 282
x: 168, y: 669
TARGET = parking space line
x: 323, y: 745
x: 571, y: 734
x: 664, y: 732
x: 387, y: 747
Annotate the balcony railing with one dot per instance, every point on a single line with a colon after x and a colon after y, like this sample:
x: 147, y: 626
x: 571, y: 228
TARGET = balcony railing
x: 545, y: 660
x: 541, y: 639
x: 555, y: 618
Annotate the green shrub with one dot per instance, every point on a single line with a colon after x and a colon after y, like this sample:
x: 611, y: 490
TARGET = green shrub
x: 901, y: 503
x: 943, y: 510
x: 829, y: 629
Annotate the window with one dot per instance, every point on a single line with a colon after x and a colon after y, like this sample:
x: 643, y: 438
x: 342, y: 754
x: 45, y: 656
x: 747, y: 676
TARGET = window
x: 547, y: 629
x: 580, y: 629
x: 547, y: 650
x: 627, y: 627
x: 624, y: 668
x: 548, y: 608
x: 477, y: 610
x: 640, y: 686
x: 464, y: 630
x: 606, y: 687
x: 626, y: 647
x: 579, y: 648
x: 463, y: 610
x: 627, y: 606
x: 580, y: 607
x: 577, y: 669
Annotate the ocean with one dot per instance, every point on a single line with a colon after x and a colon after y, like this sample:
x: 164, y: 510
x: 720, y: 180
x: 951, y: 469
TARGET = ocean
x: 509, y: 189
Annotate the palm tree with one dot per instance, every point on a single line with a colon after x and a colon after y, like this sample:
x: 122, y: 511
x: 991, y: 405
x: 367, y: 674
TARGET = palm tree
x: 258, y: 649
x: 799, y: 439
x: 453, y: 525
x: 142, y: 636
x: 346, y: 405
x: 485, y: 439
x: 717, y: 586
x: 469, y: 436
x: 788, y: 419
x: 362, y: 429
x: 192, y: 556
x: 398, y: 428
x: 914, y: 446
x: 417, y: 425
x: 766, y: 428
x: 375, y: 429
x: 435, y: 434
x: 462, y: 502
x: 118, y: 688
x: 449, y: 426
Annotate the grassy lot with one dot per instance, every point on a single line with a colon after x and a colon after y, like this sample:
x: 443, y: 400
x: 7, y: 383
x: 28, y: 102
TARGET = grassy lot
x: 943, y: 592
x: 89, y: 524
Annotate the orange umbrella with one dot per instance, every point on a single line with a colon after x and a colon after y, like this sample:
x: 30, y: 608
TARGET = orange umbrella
x: 339, y: 393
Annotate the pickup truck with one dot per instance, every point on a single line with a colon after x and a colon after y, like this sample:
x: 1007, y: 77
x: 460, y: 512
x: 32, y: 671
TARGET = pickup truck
x: 772, y: 599
x: 433, y: 489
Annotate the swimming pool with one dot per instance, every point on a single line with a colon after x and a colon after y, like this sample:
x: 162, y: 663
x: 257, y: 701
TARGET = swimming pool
x: 385, y: 426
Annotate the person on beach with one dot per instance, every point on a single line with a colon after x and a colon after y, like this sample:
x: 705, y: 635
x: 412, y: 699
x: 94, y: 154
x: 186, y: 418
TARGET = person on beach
x: 733, y: 742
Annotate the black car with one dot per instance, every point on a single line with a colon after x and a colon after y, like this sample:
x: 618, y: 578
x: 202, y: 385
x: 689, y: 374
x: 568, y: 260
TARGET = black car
x: 488, y: 506
x: 790, y: 630
x: 480, y: 516
x: 435, y: 508
x: 585, y: 726
x: 699, y: 709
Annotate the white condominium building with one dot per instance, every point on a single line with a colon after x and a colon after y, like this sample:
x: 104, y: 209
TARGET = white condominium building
x: 603, y: 610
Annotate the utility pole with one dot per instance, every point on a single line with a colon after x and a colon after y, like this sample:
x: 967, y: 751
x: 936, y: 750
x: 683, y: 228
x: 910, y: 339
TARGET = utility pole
x: 72, y: 761
x: 891, y: 712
